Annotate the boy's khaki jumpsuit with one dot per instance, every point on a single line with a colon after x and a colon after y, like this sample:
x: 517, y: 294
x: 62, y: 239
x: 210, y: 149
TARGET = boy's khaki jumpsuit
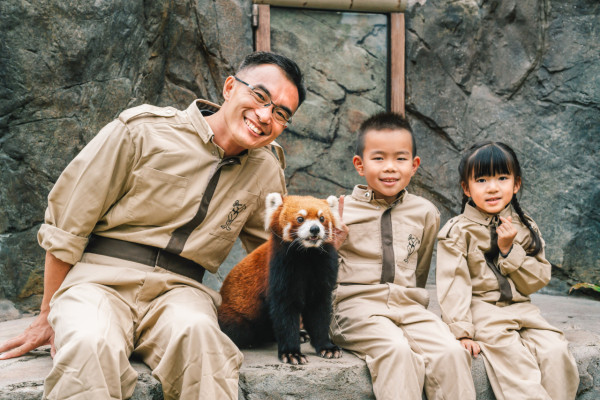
x: 155, y: 178
x: 525, y: 357
x: 380, y: 302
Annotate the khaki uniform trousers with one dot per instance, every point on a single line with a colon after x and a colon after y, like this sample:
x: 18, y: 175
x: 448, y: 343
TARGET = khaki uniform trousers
x: 525, y: 357
x: 108, y: 308
x: 406, y: 347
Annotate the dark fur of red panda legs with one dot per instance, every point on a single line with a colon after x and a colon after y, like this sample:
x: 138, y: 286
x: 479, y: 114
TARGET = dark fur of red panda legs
x: 249, y: 333
x: 300, y: 283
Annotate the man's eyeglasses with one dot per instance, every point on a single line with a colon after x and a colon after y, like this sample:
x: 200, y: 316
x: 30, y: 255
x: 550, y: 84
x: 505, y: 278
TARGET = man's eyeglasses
x: 262, y: 98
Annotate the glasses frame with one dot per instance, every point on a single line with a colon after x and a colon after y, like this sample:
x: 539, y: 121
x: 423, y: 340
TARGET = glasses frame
x: 267, y: 104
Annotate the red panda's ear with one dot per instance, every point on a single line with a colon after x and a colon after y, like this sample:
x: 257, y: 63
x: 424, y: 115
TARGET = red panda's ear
x: 273, y: 201
x: 333, y: 204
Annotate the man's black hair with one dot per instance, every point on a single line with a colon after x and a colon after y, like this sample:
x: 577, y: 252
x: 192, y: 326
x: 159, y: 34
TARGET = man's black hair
x: 383, y: 121
x: 289, y: 67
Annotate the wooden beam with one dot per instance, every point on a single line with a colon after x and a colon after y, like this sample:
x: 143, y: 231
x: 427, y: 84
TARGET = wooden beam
x: 397, y: 56
x: 379, y: 6
x: 262, y: 40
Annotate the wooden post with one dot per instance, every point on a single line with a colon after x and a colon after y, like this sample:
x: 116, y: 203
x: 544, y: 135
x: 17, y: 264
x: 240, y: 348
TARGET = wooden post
x: 263, y: 32
x: 396, y: 61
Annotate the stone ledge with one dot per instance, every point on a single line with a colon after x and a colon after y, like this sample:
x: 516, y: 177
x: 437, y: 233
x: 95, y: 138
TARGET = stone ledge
x: 262, y: 376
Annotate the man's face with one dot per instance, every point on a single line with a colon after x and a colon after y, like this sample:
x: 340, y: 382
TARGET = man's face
x: 249, y: 125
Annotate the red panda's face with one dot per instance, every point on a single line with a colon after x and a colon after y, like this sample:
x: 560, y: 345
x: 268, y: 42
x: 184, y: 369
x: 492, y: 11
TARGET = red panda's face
x: 304, y: 219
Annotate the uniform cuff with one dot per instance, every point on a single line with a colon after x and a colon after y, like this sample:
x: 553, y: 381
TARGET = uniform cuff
x: 513, y: 261
x: 63, y: 245
x: 462, y: 330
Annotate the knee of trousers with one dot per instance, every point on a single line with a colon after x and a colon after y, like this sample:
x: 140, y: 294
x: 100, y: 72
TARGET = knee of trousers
x: 89, y: 344
x: 555, y: 352
x: 199, y: 332
x: 454, y: 351
x: 393, y: 350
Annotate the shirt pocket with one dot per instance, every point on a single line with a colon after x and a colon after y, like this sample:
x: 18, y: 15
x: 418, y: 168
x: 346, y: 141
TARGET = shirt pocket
x: 158, y: 197
x: 407, y: 242
x: 233, y: 213
x: 363, y: 244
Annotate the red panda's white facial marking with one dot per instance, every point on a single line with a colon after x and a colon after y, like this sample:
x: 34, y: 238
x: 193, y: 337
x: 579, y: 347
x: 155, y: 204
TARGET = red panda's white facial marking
x: 311, y: 233
x: 286, y: 232
x: 304, y: 220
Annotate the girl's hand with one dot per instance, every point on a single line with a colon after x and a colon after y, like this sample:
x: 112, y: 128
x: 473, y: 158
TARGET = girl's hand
x: 506, y: 234
x: 471, y: 346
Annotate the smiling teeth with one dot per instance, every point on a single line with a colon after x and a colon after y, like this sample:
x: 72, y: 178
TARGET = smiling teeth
x: 253, y: 127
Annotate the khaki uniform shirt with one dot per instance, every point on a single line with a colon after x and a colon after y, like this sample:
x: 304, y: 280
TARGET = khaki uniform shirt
x: 414, y: 224
x: 462, y: 273
x: 146, y: 173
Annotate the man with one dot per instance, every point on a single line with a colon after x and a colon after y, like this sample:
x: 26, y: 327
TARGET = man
x: 157, y: 197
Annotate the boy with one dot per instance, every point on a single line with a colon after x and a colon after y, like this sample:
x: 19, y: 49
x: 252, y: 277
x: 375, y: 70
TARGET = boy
x: 380, y: 304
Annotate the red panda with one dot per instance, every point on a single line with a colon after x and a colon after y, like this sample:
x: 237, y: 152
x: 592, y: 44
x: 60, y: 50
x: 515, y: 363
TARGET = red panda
x: 290, y: 276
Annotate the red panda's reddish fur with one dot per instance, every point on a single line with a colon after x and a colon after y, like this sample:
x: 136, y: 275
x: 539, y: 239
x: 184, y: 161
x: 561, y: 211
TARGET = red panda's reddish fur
x: 245, y: 286
x: 246, y: 314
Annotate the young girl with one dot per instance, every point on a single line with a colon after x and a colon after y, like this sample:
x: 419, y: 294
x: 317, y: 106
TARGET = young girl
x: 490, y: 259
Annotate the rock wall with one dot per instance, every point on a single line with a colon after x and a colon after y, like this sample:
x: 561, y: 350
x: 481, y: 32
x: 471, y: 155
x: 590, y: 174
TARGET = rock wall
x: 525, y: 72
x: 69, y: 67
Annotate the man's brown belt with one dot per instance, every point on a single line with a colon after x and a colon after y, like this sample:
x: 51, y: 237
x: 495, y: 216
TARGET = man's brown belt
x: 144, y: 254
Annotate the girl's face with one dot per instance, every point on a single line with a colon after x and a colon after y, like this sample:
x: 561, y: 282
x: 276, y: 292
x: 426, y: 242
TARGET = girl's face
x: 492, y: 193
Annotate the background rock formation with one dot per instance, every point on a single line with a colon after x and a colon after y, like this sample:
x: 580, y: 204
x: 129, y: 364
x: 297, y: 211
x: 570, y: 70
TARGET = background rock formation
x: 525, y: 72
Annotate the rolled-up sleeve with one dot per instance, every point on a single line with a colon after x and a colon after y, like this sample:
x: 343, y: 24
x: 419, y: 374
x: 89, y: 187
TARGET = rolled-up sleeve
x: 453, y: 282
x: 89, y: 186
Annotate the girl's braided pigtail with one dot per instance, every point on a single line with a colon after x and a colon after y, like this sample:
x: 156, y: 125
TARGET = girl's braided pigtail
x: 537, y: 241
x: 465, y: 200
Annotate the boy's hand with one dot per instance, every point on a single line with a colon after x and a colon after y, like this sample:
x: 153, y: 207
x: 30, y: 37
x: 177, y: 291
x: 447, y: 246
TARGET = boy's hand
x: 471, y: 346
x: 506, y: 234
x: 340, y: 234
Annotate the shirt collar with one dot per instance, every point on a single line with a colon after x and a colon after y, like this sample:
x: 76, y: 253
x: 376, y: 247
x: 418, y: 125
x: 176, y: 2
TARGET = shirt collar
x: 482, y: 218
x: 195, y: 112
x: 365, y: 194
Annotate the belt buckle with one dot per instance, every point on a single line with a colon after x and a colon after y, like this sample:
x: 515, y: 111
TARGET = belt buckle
x: 157, y: 258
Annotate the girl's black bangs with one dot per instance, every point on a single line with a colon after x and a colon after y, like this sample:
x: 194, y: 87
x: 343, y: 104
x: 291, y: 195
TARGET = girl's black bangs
x: 490, y: 161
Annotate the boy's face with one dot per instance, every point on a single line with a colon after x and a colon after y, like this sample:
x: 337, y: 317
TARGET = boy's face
x: 250, y: 125
x: 387, y: 162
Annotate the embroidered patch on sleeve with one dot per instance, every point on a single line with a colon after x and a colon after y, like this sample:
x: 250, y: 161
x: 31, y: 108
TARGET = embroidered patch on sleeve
x: 412, y: 245
x: 233, y: 214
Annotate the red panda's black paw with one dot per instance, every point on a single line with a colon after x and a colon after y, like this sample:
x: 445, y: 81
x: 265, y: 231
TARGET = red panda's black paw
x: 334, y: 352
x: 293, y: 358
x: 304, y: 336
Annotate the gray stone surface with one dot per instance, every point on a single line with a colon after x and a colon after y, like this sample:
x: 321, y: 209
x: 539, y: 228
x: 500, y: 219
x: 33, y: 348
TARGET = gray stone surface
x: 263, y: 377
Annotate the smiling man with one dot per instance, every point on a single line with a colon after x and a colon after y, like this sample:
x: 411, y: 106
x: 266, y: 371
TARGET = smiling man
x: 158, y: 197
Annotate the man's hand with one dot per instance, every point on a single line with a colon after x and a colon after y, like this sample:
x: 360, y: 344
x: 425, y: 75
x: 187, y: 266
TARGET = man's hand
x: 340, y: 234
x: 506, y: 234
x: 471, y: 346
x: 38, y: 334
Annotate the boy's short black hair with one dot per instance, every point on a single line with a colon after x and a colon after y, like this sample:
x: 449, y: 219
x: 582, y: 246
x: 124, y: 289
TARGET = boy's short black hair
x: 289, y: 67
x: 383, y: 121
